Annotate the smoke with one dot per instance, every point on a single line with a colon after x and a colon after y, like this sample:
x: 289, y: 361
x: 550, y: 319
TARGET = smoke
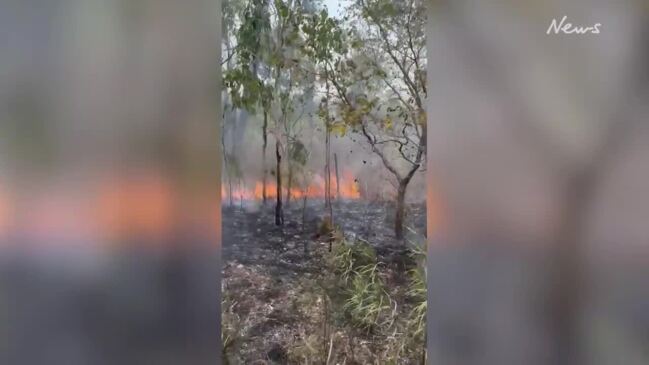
x: 243, y: 140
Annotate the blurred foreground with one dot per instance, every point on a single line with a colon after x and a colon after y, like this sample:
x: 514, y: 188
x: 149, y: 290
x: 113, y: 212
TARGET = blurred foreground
x: 538, y: 144
x: 109, y: 182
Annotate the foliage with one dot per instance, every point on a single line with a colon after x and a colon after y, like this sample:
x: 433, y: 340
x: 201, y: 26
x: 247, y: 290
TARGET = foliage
x: 380, y: 84
x: 298, y: 156
x: 373, y: 67
x: 324, y: 37
x: 245, y: 86
x: 298, y: 153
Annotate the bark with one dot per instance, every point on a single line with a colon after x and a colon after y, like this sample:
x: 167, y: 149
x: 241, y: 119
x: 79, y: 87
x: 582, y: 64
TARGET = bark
x: 289, y: 182
x: 304, y: 199
x: 279, y: 211
x: 401, y: 202
x: 328, y: 206
x: 400, y: 209
x: 241, y: 195
x: 226, y: 164
x: 264, y: 130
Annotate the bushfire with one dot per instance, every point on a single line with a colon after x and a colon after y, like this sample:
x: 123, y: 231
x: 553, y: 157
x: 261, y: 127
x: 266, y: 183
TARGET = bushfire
x: 348, y: 189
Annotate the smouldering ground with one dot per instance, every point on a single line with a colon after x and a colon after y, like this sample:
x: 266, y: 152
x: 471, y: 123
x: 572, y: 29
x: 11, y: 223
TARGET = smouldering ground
x: 273, y: 309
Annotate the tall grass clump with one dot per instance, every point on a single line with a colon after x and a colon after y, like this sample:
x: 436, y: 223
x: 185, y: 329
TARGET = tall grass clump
x: 365, y: 301
x: 368, y: 299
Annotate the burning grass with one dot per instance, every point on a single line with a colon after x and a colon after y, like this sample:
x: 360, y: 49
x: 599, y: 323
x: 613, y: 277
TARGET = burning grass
x: 349, y: 189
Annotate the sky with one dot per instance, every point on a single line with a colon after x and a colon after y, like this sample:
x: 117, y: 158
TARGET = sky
x: 336, y: 7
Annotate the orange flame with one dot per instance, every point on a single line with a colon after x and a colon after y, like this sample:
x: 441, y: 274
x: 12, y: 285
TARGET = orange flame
x: 316, y: 189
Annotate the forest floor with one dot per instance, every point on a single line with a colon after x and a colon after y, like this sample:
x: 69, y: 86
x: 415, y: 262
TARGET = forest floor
x: 276, y: 308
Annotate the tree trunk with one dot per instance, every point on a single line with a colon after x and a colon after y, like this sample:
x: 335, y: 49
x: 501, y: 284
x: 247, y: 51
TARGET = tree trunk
x: 226, y: 163
x: 327, y: 177
x: 327, y: 171
x: 306, y: 194
x: 264, y: 130
x: 400, y: 208
x: 279, y: 211
x: 304, y: 199
x: 241, y: 194
x: 289, y: 182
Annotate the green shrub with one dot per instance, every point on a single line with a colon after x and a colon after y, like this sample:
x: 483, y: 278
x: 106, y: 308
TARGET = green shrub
x: 349, y: 257
x: 365, y: 300
x: 368, y: 299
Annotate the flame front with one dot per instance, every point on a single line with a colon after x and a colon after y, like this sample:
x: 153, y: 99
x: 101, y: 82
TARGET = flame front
x: 316, y: 189
x: 140, y: 204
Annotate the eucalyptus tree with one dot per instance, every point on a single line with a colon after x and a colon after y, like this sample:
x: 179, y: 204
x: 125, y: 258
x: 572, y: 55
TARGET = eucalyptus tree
x: 267, y: 76
x: 375, y: 83
x: 232, y: 13
x: 247, y: 86
x: 323, y: 41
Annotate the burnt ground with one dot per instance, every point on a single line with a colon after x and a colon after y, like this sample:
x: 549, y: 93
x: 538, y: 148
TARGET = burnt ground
x: 270, y: 273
